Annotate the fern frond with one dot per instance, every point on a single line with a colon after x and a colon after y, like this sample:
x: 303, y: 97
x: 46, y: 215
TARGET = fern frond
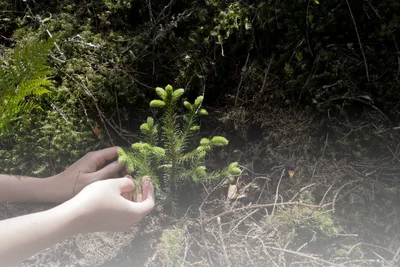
x: 23, y: 75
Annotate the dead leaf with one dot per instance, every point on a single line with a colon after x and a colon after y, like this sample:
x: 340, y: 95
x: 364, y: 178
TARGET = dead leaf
x: 232, y: 191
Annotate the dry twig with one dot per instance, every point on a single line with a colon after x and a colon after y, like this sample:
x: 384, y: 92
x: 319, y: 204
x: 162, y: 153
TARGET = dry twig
x: 259, y: 206
x: 277, y: 193
x: 395, y: 257
x: 300, y: 254
x: 359, y: 40
x: 266, y: 74
x: 244, y: 71
x: 221, y: 239
x: 244, y: 218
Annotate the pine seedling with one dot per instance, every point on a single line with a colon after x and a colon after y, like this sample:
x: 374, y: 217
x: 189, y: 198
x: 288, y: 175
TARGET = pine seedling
x: 164, y: 153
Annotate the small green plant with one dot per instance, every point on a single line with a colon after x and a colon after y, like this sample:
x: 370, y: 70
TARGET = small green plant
x: 304, y: 223
x: 171, y: 246
x: 22, y: 78
x: 233, y: 19
x: 164, y: 151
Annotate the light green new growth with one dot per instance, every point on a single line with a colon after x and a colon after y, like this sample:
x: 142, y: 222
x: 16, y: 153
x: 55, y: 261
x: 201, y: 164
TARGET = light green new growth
x: 164, y: 149
x: 22, y: 76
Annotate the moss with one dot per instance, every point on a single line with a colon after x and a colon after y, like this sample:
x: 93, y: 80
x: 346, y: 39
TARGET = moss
x: 85, y: 74
x: 170, y: 246
x: 303, y: 224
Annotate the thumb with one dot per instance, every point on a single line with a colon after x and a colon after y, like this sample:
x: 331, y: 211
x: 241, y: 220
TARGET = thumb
x: 147, y: 204
x: 148, y: 189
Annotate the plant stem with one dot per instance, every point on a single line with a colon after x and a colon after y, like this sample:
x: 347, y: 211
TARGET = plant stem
x: 171, y: 137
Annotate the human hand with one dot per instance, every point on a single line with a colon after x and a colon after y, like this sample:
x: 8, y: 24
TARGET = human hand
x: 107, y: 205
x: 88, y: 169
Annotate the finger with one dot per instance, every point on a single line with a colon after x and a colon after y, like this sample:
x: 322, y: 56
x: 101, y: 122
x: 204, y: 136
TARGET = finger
x: 147, y: 188
x: 123, y: 185
x: 127, y: 196
x: 109, y: 171
x: 138, y: 197
x: 98, y: 158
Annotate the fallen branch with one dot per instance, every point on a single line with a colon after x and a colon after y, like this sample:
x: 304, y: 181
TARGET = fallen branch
x: 300, y: 254
x: 361, y: 101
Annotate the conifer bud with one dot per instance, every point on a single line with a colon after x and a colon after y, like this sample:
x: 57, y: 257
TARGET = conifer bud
x: 157, y: 104
x: 203, y: 112
x: 188, y: 105
x: 161, y: 93
x: 169, y: 89
x: 145, y: 127
x: 123, y: 158
x: 177, y: 94
x: 204, y: 141
x: 150, y: 122
x: 142, y: 147
x: 219, y: 141
x: 201, y: 154
x: 137, y: 146
x: 200, y: 171
x: 233, y: 164
x: 195, y: 128
x: 198, y: 101
x: 233, y: 169
x: 158, y: 151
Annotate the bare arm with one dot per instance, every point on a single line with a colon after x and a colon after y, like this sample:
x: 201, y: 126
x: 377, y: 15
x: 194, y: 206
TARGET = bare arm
x: 24, y: 236
x: 63, y: 186
x: 102, y: 206
x: 28, y: 189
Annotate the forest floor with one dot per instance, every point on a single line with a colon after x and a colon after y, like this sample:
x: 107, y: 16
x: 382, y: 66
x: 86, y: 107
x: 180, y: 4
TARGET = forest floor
x: 310, y: 111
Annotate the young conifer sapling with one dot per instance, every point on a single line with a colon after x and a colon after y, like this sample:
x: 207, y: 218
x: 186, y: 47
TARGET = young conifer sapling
x: 164, y: 153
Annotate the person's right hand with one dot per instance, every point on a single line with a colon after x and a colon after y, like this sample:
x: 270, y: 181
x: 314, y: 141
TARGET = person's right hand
x: 107, y: 205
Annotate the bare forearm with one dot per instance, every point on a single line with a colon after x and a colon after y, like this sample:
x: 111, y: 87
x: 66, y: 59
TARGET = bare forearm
x: 28, y: 189
x: 24, y: 236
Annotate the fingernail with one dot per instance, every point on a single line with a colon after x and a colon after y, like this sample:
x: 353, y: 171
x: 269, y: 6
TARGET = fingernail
x: 146, y: 178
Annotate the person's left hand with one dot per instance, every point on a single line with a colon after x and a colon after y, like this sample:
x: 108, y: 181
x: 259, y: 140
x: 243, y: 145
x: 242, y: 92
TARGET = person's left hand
x: 88, y: 169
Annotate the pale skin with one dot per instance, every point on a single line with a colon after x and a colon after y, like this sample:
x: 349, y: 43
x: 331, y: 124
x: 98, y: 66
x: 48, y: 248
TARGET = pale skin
x: 91, y: 203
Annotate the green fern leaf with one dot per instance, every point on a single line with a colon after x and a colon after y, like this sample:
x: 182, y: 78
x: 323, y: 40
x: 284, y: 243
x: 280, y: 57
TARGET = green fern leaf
x: 23, y: 78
